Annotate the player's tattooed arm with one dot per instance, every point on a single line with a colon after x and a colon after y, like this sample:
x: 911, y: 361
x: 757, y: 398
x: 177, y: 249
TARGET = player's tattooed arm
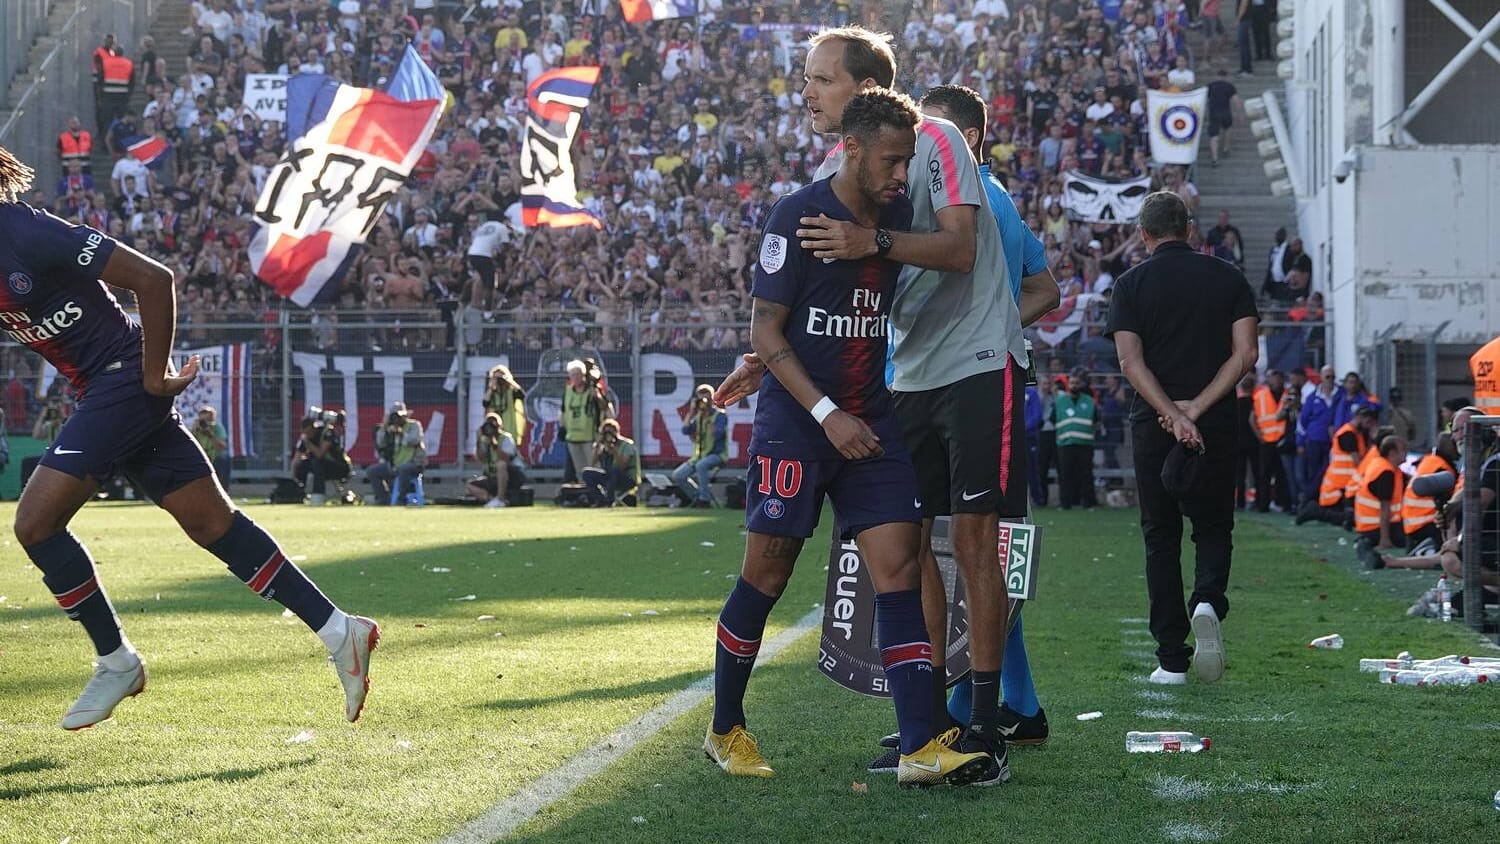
x: 768, y: 339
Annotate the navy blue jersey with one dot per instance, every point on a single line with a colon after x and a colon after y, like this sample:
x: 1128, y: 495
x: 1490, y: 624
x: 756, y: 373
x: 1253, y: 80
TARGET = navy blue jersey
x: 838, y: 326
x: 53, y: 302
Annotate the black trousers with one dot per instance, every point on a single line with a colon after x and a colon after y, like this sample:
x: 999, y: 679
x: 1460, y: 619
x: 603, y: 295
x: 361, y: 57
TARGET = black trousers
x: 1212, y: 513
x: 1260, y: 29
x: 1246, y: 472
x: 1046, y: 459
x: 1270, y: 479
x: 1075, y: 476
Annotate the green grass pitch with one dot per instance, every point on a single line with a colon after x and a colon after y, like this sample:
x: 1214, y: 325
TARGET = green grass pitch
x: 599, y: 616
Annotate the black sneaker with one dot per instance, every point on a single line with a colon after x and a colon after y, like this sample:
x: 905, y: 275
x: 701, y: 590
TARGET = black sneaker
x: 1020, y: 730
x: 975, y: 741
x: 891, y: 741
x: 887, y: 762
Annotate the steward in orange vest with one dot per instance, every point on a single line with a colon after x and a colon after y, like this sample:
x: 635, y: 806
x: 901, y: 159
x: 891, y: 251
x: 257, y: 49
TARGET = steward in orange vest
x: 114, y: 87
x: 1485, y: 366
x: 75, y: 144
x: 1418, y: 512
x: 1271, y: 484
x: 1377, y: 505
x: 1350, y: 445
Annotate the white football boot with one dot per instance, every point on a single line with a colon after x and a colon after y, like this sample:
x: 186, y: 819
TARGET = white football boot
x: 103, y: 693
x: 352, y: 662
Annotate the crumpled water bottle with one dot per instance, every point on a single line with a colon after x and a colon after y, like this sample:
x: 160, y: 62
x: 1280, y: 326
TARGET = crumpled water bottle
x: 1164, y: 742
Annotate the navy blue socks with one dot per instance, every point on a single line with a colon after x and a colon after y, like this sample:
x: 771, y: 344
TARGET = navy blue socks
x: 68, y: 572
x: 741, y: 623
x: 906, y: 654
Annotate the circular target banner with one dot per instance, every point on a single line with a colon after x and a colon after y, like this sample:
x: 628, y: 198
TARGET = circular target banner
x: 1176, y: 119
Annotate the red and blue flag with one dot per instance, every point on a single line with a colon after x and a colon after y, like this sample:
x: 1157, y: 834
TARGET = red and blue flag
x: 549, y: 184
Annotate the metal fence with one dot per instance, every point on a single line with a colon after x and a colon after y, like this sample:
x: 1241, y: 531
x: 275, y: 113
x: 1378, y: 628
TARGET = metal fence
x: 1480, y: 545
x: 264, y: 373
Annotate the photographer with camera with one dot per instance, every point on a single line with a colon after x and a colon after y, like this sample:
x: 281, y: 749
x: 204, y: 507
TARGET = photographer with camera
x: 403, y: 455
x: 320, y: 453
x: 214, y: 440
x: 616, y: 472
x: 585, y: 406
x: 496, y: 451
x: 709, y: 428
x: 503, y: 395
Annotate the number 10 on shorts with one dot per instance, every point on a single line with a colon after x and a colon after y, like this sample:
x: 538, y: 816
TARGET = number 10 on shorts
x: 787, y: 476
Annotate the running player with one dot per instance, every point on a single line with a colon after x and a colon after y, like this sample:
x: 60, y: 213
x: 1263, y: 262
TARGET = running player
x: 958, y: 354
x: 824, y: 425
x: 54, y: 302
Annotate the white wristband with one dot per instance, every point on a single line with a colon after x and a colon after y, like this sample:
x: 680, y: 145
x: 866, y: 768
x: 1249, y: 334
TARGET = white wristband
x: 824, y: 407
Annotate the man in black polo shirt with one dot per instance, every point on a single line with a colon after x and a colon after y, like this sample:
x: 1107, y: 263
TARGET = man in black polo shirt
x: 1184, y: 325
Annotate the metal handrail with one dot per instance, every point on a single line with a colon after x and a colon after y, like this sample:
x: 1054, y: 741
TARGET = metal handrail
x: 41, y: 71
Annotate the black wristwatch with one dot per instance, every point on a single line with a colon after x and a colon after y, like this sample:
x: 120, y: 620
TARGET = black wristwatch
x: 883, y: 242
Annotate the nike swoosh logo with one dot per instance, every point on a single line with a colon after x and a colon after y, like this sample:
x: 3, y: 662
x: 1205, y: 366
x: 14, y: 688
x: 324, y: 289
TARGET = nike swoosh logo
x: 354, y: 672
x: 931, y: 769
x: 968, y: 497
x: 65, y: 451
x: 1008, y: 732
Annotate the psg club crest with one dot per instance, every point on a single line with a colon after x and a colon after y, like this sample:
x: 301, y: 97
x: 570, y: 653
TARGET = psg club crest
x: 775, y: 508
x: 20, y: 283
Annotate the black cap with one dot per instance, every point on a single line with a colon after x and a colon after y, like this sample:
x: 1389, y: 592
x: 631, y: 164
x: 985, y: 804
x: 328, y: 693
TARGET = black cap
x: 1180, y: 471
x: 1366, y: 410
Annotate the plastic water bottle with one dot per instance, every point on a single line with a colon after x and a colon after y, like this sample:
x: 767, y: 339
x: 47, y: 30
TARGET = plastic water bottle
x: 1445, y: 598
x: 1444, y: 677
x: 1332, y: 641
x: 1164, y: 742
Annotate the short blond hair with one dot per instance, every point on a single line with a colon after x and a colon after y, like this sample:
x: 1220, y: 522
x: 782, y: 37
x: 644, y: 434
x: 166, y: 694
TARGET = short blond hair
x: 867, y: 55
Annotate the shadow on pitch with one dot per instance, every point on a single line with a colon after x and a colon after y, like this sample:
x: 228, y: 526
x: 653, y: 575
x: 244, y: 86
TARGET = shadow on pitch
x: 230, y: 775
x: 671, y: 683
x: 30, y: 766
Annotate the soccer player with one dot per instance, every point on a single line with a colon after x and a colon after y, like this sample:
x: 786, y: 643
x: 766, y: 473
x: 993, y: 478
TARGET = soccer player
x: 54, y: 303
x: 959, y: 360
x: 824, y: 425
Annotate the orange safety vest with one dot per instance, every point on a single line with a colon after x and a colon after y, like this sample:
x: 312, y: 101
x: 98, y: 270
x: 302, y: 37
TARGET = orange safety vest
x: 1270, y: 428
x: 1357, y: 480
x: 1367, y: 505
x: 100, y: 55
x: 77, y: 148
x: 1485, y: 366
x: 1419, y: 511
x: 117, y: 71
x: 1341, y: 467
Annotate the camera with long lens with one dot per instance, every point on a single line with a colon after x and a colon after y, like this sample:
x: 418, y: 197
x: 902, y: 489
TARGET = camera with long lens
x: 1438, y: 486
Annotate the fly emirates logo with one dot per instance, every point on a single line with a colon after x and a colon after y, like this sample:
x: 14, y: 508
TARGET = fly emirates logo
x: 821, y: 323
x: 20, y: 328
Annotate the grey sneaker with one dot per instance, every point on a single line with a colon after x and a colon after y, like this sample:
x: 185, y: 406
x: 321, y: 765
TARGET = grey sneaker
x: 352, y: 662
x: 103, y: 693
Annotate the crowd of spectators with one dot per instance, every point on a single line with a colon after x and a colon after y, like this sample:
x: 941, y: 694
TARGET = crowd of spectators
x: 695, y: 129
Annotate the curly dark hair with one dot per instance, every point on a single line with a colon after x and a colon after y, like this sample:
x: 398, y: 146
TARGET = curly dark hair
x: 874, y: 109
x: 15, y: 177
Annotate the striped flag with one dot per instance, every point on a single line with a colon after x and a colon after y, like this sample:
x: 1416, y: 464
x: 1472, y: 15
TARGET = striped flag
x: 354, y: 150
x: 150, y: 150
x: 639, y: 11
x: 549, y: 184
x: 224, y: 383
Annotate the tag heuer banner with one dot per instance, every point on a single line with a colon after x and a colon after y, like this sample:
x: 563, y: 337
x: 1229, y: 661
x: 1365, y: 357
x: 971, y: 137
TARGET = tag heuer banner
x: 849, y: 653
x: 1093, y: 200
x: 1176, y: 122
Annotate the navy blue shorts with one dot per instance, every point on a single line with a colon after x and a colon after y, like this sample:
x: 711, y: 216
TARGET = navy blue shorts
x: 784, y: 496
x: 127, y: 430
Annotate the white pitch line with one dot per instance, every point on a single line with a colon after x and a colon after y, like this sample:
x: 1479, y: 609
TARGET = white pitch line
x: 504, y: 817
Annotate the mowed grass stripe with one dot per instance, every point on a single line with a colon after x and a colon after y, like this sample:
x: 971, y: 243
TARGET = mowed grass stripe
x: 459, y: 717
x: 1305, y: 747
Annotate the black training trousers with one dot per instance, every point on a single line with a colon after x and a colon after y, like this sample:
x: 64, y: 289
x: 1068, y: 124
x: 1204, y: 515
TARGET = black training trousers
x: 1211, y: 510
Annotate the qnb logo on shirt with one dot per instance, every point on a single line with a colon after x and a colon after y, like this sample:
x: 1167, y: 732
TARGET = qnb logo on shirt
x: 90, y: 245
x: 20, y: 328
x: 821, y: 323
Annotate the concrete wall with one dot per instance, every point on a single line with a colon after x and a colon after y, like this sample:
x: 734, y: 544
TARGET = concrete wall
x: 1412, y: 236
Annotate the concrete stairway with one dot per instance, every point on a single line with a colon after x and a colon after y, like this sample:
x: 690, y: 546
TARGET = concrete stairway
x: 1239, y: 184
x: 57, y: 17
x: 172, y: 17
